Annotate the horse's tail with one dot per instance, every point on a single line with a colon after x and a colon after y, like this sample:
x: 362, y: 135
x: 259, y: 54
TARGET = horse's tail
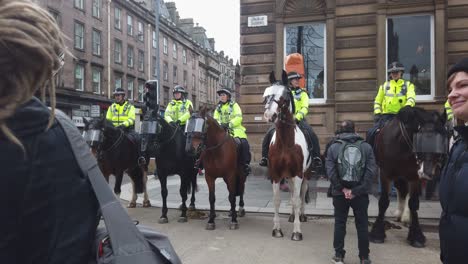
x: 193, y: 186
x: 136, y: 174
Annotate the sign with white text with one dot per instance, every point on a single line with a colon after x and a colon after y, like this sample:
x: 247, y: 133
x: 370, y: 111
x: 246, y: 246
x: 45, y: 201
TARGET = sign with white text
x: 257, y: 21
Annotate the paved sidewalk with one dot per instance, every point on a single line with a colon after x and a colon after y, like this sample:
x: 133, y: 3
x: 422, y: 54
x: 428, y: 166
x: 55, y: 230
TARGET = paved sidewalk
x: 258, y: 197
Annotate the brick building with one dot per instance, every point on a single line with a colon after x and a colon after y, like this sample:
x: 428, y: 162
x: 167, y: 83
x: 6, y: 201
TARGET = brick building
x: 347, y: 45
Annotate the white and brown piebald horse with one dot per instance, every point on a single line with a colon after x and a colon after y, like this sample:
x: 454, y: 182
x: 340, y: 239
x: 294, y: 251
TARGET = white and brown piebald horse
x: 288, y: 154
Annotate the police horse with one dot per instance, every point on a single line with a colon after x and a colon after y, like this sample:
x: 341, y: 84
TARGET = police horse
x: 116, y: 153
x: 410, y: 147
x: 288, y: 154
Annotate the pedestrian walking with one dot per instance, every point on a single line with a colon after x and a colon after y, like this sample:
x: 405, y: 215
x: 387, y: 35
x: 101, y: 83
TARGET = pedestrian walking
x: 350, y: 164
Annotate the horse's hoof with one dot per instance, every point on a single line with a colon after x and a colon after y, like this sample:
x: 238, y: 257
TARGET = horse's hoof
x: 182, y: 219
x: 234, y: 226
x: 277, y: 233
x: 163, y: 220
x: 241, y: 212
x: 210, y: 226
x: 296, y: 236
x: 147, y: 203
x: 291, y: 218
x: 303, y: 218
x: 131, y: 205
x: 417, y: 244
x: 191, y: 207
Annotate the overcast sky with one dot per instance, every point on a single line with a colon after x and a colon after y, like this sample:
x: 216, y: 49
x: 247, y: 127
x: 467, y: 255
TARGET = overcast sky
x: 220, y: 18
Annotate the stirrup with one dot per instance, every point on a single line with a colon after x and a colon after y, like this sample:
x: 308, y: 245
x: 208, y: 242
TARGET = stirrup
x: 317, y: 162
x: 263, y: 162
x: 141, y: 161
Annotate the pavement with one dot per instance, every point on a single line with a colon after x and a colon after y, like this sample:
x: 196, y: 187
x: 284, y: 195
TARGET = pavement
x: 259, y: 195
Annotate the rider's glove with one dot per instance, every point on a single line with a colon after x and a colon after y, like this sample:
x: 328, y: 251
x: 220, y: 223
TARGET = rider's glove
x: 177, y: 122
x: 225, y: 126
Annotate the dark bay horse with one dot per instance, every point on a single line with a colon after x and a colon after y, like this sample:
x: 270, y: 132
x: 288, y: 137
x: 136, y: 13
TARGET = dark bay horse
x: 166, y: 143
x: 218, y: 153
x: 116, y: 153
x: 410, y: 147
x: 288, y: 155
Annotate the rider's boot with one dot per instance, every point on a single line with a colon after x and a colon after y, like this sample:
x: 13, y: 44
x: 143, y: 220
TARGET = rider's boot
x: 141, y: 160
x: 263, y: 162
x: 247, y: 169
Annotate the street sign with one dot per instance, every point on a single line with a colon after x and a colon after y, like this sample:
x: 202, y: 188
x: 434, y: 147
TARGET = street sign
x: 78, y: 121
x: 257, y: 21
x: 95, y: 111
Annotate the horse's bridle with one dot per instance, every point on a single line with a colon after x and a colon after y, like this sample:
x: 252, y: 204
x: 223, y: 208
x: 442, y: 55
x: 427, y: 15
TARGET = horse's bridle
x: 280, y: 114
x: 119, y: 140
x: 202, y: 146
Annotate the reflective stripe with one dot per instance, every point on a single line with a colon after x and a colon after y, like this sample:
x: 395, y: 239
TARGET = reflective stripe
x: 377, y: 108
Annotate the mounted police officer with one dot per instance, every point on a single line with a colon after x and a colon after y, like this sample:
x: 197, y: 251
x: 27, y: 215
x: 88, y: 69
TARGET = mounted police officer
x: 229, y: 115
x: 392, y: 96
x: 179, y: 109
x: 301, y: 108
x: 122, y: 115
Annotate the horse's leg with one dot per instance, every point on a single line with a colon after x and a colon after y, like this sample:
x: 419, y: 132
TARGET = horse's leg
x: 132, y: 203
x: 416, y: 237
x: 232, y: 199
x: 146, y: 201
x: 193, y: 182
x: 304, y: 190
x: 296, y: 203
x: 402, y: 198
x: 377, y: 233
x: 184, y: 182
x: 210, y: 181
x: 241, y: 206
x: 291, y: 200
x: 163, y: 181
x: 118, y: 183
x: 276, y: 220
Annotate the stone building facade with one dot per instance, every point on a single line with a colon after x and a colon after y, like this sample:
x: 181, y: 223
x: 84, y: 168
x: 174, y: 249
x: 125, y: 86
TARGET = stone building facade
x: 113, y: 43
x: 347, y: 45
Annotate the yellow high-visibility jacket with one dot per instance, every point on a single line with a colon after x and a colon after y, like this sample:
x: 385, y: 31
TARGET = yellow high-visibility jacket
x: 230, y: 113
x: 121, y: 115
x: 394, y: 95
x: 178, y: 110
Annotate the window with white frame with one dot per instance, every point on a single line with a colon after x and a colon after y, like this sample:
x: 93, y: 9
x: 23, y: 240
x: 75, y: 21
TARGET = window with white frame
x: 97, y: 8
x: 130, y: 56
x: 96, y: 42
x: 184, y: 56
x: 165, y: 45
x: 174, y: 76
x: 118, y: 18
x: 118, y: 51
x: 79, y: 77
x: 129, y: 25
x: 155, y: 68
x: 141, y: 87
x: 155, y: 42
x: 79, y: 36
x: 56, y: 15
x: 117, y: 80
x: 309, y: 40
x: 130, y: 84
x: 410, y: 41
x: 79, y: 4
x: 141, y: 31
x: 165, y: 71
x: 174, y: 50
x: 185, y: 78
x: 141, y: 60
x: 96, y: 80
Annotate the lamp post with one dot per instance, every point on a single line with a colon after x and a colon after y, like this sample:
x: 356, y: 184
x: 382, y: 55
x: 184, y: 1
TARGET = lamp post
x: 156, y: 29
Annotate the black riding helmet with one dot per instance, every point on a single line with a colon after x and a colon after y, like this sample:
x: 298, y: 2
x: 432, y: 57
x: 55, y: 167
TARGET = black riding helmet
x: 119, y: 91
x: 179, y: 89
x: 293, y: 75
x: 395, y: 67
x: 225, y: 91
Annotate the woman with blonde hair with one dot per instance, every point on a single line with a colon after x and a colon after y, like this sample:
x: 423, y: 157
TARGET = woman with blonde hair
x: 49, y: 210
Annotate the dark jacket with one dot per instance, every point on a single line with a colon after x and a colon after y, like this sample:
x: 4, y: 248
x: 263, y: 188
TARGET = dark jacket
x: 453, y: 193
x: 331, y: 161
x: 49, y: 211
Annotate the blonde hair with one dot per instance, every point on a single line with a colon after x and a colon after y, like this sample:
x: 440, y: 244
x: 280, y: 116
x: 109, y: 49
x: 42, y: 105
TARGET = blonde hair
x: 30, y: 45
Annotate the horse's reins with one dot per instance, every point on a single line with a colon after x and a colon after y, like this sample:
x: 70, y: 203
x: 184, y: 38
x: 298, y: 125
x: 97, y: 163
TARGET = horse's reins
x: 406, y: 136
x: 226, y: 138
x: 117, y: 142
x: 280, y: 115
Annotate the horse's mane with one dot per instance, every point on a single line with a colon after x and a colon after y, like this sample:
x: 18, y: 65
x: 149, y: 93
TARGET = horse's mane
x: 413, y: 117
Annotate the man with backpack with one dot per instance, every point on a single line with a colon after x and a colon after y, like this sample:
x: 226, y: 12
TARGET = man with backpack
x: 350, y: 165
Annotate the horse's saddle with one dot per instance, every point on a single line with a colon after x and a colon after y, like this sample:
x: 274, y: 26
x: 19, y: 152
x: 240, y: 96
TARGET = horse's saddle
x: 134, y: 138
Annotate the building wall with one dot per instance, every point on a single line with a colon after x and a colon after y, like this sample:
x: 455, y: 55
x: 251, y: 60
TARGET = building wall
x: 355, y: 61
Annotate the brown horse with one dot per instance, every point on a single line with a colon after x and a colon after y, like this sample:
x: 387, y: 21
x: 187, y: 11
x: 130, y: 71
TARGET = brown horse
x: 218, y: 153
x: 288, y: 155
x: 410, y: 147
x: 116, y: 153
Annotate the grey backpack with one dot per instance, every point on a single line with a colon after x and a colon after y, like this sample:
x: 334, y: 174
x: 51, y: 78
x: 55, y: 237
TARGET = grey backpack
x: 120, y: 241
x: 351, y: 161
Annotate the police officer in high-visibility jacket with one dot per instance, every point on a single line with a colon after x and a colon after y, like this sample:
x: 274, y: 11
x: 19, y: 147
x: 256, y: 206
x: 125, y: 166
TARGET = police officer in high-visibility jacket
x: 179, y: 109
x: 448, y: 111
x: 392, y: 96
x: 121, y: 113
x: 229, y: 116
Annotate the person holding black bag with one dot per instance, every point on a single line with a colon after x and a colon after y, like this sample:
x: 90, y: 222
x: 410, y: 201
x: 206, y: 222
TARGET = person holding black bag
x: 49, y: 210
